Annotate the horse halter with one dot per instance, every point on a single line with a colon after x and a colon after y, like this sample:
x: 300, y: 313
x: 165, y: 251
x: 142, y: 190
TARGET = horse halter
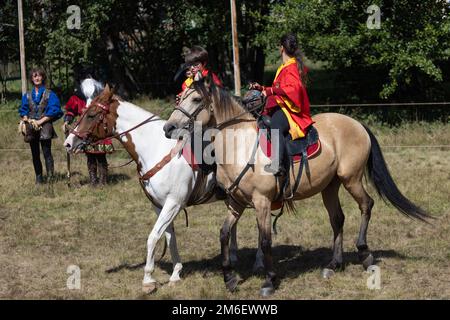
x: 84, y: 135
x: 192, y: 116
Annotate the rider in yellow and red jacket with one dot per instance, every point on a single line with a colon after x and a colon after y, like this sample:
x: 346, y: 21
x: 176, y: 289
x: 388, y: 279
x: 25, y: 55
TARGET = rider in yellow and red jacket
x: 197, y: 59
x: 287, y: 100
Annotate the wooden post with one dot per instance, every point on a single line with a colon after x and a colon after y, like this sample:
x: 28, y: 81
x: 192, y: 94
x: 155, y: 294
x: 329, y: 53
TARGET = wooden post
x: 237, y: 71
x: 23, y: 70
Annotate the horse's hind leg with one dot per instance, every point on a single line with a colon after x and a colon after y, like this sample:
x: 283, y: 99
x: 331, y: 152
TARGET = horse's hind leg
x: 365, y: 203
x: 165, y: 218
x: 330, y: 196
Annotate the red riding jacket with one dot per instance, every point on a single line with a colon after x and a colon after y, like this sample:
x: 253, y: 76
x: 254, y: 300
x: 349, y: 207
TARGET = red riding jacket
x: 288, y: 93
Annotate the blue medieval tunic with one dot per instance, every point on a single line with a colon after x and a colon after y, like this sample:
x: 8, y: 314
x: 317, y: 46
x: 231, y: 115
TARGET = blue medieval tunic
x: 52, y: 110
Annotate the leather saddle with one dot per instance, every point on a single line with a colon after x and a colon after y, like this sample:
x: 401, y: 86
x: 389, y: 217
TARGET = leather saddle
x: 298, y: 148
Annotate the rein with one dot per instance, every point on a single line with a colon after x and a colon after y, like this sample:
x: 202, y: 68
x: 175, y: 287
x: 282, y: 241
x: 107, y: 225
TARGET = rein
x: 250, y: 164
x: 192, y: 116
x: 219, y: 125
x: 105, y: 110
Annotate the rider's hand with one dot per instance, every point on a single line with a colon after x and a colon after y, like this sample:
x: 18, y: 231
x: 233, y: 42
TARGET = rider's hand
x: 65, y: 127
x: 22, y: 128
x: 256, y: 86
x: 35, y: 124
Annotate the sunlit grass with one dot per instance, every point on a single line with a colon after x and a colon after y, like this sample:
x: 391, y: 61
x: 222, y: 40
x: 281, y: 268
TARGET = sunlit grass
x: 44, y: 230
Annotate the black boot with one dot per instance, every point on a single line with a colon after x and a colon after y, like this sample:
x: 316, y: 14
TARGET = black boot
x: 92, y: 169
x: 50, y: 168
x: 39, y: 179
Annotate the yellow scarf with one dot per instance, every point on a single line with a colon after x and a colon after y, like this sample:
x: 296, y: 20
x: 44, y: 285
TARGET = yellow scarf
x: 295, y: 130
x: 188, y: 82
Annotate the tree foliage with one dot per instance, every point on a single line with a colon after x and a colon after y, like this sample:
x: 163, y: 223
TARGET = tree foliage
x: 409, y: 50
x: 139, y: 45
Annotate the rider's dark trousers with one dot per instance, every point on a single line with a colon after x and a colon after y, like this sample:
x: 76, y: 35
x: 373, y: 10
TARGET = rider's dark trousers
x: 280, y: 122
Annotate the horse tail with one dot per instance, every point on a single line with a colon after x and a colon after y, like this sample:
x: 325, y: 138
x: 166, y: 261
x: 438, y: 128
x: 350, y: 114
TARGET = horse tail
x: 385, y: 186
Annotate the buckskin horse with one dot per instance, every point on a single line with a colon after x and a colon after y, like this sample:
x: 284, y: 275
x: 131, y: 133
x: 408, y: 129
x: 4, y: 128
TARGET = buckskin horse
x: 348, y: 149
x: 168, y: 181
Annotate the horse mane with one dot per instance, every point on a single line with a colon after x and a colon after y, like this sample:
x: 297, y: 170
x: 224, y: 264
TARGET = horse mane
x: 226, y: 106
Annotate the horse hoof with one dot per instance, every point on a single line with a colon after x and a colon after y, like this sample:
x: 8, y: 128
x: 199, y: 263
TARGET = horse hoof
x: 233, y: 283
x: 327, y: 273
x: 266, y: 291
x: 149, y: 288
x: 368, y: 261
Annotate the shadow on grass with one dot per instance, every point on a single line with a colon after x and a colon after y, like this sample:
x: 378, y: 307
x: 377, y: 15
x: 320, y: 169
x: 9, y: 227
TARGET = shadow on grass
x: 113, y: 179
x: 289, y: 261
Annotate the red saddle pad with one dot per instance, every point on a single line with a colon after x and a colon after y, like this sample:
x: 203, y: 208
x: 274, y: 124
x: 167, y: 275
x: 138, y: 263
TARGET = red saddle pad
x: 266, y: 146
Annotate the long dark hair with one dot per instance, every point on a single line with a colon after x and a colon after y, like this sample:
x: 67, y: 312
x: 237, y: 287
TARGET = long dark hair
x: 290, y: 45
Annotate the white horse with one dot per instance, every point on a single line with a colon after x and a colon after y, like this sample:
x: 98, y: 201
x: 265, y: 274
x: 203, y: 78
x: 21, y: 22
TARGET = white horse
x: 171, y: 189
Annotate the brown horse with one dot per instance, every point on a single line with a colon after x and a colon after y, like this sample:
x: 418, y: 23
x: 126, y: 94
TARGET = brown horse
x: 347, y: 150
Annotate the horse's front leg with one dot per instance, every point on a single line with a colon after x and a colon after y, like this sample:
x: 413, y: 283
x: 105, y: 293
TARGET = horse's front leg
x: 263, y: 217
x: 233, y: 246
x: 165, y: 218
x: 231, y: 280
x: 258, y: 266
x: 176, y: 261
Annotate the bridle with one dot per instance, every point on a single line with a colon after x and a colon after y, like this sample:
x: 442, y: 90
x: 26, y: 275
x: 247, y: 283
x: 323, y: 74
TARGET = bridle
x: 102, y: 120
x: 85, y: 135
x: 192, y: 117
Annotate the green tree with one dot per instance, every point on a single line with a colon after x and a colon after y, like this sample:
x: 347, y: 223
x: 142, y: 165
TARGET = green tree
x: 408, y: 52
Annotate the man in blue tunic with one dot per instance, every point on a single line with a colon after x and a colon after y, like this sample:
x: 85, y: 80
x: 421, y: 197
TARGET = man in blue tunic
x: 40, y: 108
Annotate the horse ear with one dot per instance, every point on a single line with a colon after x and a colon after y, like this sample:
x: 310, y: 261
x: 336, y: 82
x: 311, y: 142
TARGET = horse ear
x: 107, y: 90
x: 198, y: 76
x: 107, y: 93
x: 113, y: 88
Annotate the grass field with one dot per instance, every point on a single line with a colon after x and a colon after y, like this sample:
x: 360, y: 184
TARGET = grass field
x: 45, y: 230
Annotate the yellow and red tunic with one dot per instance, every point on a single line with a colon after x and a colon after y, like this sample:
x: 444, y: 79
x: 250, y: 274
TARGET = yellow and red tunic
x: 187, y: 83
x: 289, y: 94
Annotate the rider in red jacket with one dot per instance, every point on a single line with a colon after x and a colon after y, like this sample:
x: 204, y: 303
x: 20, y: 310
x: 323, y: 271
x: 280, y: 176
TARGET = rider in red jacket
x: 287, y: 100
x: 197, y: 59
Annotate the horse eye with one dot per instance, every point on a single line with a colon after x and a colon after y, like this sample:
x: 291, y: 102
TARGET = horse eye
x: 197, y: 100
x: 91, y: 116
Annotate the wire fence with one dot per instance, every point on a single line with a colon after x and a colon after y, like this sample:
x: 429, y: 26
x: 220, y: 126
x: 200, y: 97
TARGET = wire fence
x: 437, y: 146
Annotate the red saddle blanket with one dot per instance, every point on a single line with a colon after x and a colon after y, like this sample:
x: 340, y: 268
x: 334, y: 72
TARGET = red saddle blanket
x: 266, y: 146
